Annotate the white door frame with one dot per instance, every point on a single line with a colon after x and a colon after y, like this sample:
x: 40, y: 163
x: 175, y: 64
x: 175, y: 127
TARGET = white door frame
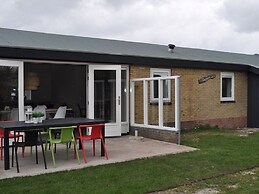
x: 18, y: 64
x: 111, y: 129
x: 125, y: 124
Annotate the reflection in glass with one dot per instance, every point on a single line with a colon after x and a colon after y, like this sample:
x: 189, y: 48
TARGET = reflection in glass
x: 165, y: 87
x: 8, y: 93
x: 105, y: 95
x: 226, y: 87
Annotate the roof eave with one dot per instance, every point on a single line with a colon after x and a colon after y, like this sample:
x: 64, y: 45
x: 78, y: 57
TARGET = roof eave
x: 87, y: 57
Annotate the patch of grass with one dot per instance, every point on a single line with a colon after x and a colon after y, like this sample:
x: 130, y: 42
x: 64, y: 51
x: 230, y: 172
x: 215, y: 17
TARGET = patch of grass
x: 221, y: 152
x: 242, y: 182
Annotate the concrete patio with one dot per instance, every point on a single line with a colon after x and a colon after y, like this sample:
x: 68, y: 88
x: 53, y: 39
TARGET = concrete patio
x: 119, y: 149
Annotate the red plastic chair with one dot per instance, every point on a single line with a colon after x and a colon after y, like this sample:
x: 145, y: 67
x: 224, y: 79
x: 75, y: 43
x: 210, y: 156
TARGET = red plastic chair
x: 11, y: 136
x: 96, y: 133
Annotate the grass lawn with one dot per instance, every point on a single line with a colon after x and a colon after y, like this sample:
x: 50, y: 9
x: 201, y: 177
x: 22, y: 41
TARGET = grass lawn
x: 222, y: 153
x: 241, y: 182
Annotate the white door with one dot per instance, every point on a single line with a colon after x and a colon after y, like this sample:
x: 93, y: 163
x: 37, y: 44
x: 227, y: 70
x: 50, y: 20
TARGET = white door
x: 105, y: 96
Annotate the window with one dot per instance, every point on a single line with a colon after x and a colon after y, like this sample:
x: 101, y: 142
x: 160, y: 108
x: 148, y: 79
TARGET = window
x: 227, y: 86
x: 166, y: 85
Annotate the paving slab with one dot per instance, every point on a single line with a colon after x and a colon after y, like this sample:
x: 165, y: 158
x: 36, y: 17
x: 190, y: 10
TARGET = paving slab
x: 119, y: 149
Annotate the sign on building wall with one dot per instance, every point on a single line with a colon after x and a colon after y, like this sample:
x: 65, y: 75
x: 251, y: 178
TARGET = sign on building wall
x: 206, y: 78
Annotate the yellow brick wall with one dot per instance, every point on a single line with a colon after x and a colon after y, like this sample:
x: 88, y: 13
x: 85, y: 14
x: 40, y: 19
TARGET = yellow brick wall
x: 200, y: 103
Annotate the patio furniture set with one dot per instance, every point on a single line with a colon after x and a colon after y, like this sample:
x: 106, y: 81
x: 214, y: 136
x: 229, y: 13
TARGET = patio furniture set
x: 58, y: 131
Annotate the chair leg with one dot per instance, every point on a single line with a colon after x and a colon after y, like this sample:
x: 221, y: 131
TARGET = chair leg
x: 106, y: 154
x: 37, y: 160
x: 12, y: 153
x: 16, y: 158
x: 46, y: 145
x: 23, y: 148
x: 44, y: 158
x: 67, y: 150
x: 93, y: 147
x: 83, y: 150
x: 1, y: 148
x: 77, y: 155
x: 42, y: 149
x: 74, y: 149
x: 52, y: 153
x: 55, y: 136
x: 23, y: 151
x: 75, y: 152
x: 17, y: 140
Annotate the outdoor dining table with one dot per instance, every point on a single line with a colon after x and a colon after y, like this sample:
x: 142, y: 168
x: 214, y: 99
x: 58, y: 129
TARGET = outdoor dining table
x: 18, y: 125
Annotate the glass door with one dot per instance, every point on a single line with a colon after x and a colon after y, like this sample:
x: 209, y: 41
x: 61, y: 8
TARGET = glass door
x: 105, y: 96
x: 11, y: 90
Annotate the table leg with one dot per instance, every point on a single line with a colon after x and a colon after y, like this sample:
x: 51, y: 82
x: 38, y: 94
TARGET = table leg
x: 102, y: 148
x: 6, y: 150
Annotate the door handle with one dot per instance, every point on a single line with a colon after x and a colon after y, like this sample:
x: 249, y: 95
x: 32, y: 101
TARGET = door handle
x: 119, y: 100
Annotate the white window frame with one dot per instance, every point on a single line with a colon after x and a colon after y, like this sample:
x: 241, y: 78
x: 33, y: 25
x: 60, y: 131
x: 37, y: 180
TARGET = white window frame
x: 162, y: 73
x: 160, y: 125
x: 232, y: 77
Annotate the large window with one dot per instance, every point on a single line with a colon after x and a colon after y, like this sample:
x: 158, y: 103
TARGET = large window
x: 166, y: 85
x: 11, y: 90
x: 9, y: 93
x: 227, y: 86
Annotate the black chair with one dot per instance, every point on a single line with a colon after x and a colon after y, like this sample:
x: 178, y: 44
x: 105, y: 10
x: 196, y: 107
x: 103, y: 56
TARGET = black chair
x: 32, y: 138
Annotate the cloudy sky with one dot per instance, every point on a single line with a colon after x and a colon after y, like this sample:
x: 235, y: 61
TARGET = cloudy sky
x: 225, y: 25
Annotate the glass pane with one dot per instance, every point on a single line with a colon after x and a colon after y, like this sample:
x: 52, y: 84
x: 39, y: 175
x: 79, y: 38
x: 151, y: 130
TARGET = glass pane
x: 8, y: 93
x: 105, y: 95
x: 156, y: 86
x: 226, y: 87
x: 165, y: 87
x: 123, y: 95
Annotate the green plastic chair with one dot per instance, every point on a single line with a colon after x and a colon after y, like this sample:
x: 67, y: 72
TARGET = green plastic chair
x: 66, y: 136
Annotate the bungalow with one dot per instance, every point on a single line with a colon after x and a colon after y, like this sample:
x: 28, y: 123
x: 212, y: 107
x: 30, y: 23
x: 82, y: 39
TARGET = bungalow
x: 217, y: 88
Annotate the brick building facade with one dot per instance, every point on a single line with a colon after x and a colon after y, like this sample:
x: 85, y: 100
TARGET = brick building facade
x: 200, y: 103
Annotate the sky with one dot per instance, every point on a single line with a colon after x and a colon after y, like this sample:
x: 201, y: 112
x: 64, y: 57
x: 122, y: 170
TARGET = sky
x: 223, y: 25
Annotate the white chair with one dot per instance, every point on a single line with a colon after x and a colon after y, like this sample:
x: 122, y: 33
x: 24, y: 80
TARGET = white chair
x: 42, y: 109
x: 61, y: 112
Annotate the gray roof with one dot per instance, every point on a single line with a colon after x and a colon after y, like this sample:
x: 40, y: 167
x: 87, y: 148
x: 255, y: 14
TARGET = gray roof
x: 44, y: 41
